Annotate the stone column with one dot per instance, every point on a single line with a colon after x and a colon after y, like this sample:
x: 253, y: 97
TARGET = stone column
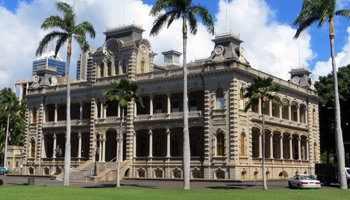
x: 281, y: 146
x: 151, y: 105
x: 259, y: 106
x: 135, y: 109
x: 100, y: 153
x: 260, y: 145
x: 280, y: 110
x: 290, y: 112
x: 81, y: 111
x: 169, y: 103
x: 118, y: 111
x: 168, y: 143
x: 104, y: 149
x: 150, y: 143
x: 55, y: 116
x: 307, y: 150
x: 299, y: 148
x: 270, y: 108
x: 298, y: 114
x: 271, y: 145
x: 291, y: 147
x: 54, y: 145
x: 79, y: 145
x: 135, y: 144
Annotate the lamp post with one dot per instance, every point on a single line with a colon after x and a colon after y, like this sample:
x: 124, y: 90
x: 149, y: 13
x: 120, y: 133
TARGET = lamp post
x: 97, y: 151
x: 7, y: 133
x: 58, y: 152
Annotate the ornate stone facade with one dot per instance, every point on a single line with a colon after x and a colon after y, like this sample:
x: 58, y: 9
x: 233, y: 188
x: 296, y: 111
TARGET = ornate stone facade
x: 225, y: 140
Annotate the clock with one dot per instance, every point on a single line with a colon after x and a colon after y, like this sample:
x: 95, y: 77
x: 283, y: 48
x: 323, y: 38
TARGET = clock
x: 35, y: 79
x: 219, y: 50
x: 295, y: 80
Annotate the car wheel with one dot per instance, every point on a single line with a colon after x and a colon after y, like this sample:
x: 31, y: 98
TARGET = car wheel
x: 298, y: 186
x: 289, y: 185
x: 1, y: 182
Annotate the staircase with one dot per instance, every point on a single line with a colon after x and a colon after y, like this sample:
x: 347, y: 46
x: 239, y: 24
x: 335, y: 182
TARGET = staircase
x: 106, y: 171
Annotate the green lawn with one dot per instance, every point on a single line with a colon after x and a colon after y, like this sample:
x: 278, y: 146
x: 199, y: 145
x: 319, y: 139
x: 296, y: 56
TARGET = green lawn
x: 62, y: 193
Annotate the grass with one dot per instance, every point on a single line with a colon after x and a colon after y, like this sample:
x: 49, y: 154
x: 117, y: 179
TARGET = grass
x: 59, y: 193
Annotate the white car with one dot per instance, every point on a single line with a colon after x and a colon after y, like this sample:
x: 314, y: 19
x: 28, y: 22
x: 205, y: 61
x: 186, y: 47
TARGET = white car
x: 304, y: 181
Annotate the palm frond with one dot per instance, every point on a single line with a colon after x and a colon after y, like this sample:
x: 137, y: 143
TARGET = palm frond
x: 306, y: 24
x: 60, y: 42
x: 159, y: 23
x: 85, y: 27
x: 206, y: 17
x: 192, y: 22
x: 344, y: 13
x: 52, y: 22
x: 45, y: 41
x: 161, y: 5
x: 65, y: 8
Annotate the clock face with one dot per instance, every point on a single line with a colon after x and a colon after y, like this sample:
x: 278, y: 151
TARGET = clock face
x: 295, y: 80
x: 219, y: 50
x: 35, y: 79
x: 53, y: 80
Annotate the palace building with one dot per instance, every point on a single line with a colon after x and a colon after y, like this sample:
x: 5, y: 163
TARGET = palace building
x: 225, y: 140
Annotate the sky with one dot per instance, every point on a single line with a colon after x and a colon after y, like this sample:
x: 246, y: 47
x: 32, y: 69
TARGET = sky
x: 265, y: 26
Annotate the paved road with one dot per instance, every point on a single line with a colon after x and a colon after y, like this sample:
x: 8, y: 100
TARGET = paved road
x: 151, y: 184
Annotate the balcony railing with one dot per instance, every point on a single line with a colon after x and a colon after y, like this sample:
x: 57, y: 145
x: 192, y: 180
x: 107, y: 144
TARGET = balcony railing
x: 173, y: 115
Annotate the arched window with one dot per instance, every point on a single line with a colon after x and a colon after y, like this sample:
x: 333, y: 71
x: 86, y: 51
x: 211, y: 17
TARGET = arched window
x: 143, y: 65
x: 241, y: 98
x: 109, y: 68
x: 243, y: 138
x: 220, y: 144
x: 220, y: 98
x: 313, y: 116
x: 285, y: 109
x: 101, y: 70
x: 34, y: 115
x: 32, y: 148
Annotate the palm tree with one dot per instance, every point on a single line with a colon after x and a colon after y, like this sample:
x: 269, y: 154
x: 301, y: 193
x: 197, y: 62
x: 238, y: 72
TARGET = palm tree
x: 67, y: 31
x: 122, y: 93
x: 262, y: 89
x: 321, y: 11
x: 188, y: 12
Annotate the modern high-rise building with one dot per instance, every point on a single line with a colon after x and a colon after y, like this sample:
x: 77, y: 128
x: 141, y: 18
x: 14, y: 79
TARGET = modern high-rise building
x: 48, y: 64
x: 85, y: 66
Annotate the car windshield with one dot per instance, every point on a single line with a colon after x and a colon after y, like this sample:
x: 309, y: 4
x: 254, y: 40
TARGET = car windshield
x: 348, y: 170
x: 307, y: 177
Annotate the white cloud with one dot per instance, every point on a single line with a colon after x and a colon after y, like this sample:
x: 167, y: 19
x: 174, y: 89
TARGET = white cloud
x: 323, y: 68
x: 269, y: 45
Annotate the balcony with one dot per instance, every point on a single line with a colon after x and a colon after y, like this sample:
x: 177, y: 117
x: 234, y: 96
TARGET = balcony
x: 280, y: 121
x: 173, y: 115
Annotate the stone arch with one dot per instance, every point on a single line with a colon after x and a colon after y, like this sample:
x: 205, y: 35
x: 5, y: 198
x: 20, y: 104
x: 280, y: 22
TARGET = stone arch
x: 243, y: 141
x: 220, y: 138
x: 46, y: 171
x: 256, y: 134
x: 177, y: 173
x: 111, y: 144
x: 196, y: 173
x: 220, y: 174
x: 141, y: 173
x: 244, y: 175
x: 283, y: 174
x: 158, y: 173
x: 31, y: 170
x: 256, y: 174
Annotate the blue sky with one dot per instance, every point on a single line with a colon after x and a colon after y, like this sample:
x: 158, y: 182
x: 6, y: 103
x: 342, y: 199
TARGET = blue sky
x: 267, y: 33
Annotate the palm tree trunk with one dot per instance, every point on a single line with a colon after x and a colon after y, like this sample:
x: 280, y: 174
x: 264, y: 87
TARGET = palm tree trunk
x: 67, y: 154
x: 120, y: 142
x: 338, y: 130
x: 263, y: 147
x: 186, y: 142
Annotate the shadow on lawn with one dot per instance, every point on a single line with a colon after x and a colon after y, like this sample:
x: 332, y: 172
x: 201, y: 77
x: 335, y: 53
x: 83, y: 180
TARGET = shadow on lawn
x: 122, y: 185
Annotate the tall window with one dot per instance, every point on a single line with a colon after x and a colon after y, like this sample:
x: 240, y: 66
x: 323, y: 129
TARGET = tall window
x: 143, y: 65
x: 32, y: 148
x: 101, y: 70
x: 220, y: 141
x: 220, y: 99
x: 241, y: 99
x: 34, y: 115
x: 242, y: 144
x: 109, y: 68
